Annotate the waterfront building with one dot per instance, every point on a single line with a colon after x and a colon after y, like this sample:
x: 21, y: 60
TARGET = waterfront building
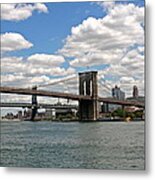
x: 9, y: 116
x: 19, y: 115
x: 139, y: 98
x: 27, y: 113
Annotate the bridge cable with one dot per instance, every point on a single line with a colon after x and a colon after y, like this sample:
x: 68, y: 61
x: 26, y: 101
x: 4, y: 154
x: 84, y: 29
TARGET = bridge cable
x: 56, y: 82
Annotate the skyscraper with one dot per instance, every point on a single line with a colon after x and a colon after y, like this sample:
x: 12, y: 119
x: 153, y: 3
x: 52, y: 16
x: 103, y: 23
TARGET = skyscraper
x: 135, y: 91
x: 118, y: 93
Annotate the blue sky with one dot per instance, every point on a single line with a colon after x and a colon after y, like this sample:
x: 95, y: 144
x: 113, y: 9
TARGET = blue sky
x: 47, y: 31
x: 42, y: 42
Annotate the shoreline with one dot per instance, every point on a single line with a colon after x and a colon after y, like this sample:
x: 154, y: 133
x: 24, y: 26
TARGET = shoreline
x: 70, y: 121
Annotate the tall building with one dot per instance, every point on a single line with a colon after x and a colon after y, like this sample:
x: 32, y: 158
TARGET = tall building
x: 135, y: 91
x: 118, y: 93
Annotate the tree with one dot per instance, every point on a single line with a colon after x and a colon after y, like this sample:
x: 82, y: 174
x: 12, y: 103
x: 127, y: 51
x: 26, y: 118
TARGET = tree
x: 119, y: 112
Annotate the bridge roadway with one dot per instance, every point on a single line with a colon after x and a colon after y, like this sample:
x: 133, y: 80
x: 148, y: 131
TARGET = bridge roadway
x: 27, y: 91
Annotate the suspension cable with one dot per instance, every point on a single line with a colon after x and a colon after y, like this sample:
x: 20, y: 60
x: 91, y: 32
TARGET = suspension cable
x: 60, y: 80
x: 104, y: 85
x: 57, y: 81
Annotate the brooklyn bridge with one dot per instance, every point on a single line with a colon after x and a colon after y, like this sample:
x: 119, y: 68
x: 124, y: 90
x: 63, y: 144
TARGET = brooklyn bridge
x: 88, y: 98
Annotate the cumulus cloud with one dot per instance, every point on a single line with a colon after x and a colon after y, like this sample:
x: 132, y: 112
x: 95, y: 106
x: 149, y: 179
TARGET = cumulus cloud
x: 12, y: 65
x: 126, y: 80
x: 112, y: 34
x: 15, y: 98
x: 128, y: 72
x: 107, y: 5
x: 14, y: 41
x: 46, y: 60
x: 24, y: 72
x: 17, y: 12
x: 116, y: 40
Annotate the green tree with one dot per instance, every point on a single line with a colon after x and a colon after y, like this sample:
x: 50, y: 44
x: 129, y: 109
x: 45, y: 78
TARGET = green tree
x: 119, y: 112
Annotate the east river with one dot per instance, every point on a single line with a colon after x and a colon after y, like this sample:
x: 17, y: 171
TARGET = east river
x: 100, y: 145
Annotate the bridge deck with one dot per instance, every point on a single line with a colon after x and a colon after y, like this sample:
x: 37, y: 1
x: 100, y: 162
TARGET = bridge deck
x: 23, y: 91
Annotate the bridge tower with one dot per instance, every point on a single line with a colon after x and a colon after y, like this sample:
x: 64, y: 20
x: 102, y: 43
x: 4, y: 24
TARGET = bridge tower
x: 34, y: 105
x: 88, y: 109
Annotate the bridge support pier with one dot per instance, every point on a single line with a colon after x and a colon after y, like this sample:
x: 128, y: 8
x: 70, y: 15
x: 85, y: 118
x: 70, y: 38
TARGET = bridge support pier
x: 34, y: 105
x: 88, y: 109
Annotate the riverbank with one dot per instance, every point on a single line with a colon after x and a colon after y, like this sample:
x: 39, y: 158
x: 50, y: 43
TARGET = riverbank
x: 74, y: 120
x: 9, y: 120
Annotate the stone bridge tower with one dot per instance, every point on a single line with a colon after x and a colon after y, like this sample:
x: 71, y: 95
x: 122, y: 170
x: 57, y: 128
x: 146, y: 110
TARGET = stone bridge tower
x: 88, y: 109
x: 34, y: 105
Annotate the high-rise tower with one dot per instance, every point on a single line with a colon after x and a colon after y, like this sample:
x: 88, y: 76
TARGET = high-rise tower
x: 135, y: 91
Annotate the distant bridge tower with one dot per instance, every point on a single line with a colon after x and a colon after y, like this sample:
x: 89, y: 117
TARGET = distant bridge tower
x: 34, y: 105
x: 88, y: 109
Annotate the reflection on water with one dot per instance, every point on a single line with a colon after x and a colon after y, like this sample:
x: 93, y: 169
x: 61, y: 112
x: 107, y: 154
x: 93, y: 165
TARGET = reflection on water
x: 101, y: 145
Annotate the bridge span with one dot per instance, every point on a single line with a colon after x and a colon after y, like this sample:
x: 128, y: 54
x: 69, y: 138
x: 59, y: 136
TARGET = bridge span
x: 88, y: 96
x: 24, y: 91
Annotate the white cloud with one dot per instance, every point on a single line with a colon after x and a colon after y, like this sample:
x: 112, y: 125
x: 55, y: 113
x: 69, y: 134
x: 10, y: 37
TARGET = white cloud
x: 20, y: 80
x: 126, y: 80
x: 97, y: 58
x: 33, y: 70
x: 41, y: 7
x: 12, y: 65
x: 15, y: 98
x: 17, y: 12
x: 107, y: 5
x: 35, y: 67
x: 53, y: 71
x: 128, y: 72
x: 116, y: 40
x: 48, y: 60
x: 126, y: 84
x: 109, y: 36
x: 14, y: 41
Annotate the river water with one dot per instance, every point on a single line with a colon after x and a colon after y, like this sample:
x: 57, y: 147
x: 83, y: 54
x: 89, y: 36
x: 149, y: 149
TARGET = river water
x: 100, y: 145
